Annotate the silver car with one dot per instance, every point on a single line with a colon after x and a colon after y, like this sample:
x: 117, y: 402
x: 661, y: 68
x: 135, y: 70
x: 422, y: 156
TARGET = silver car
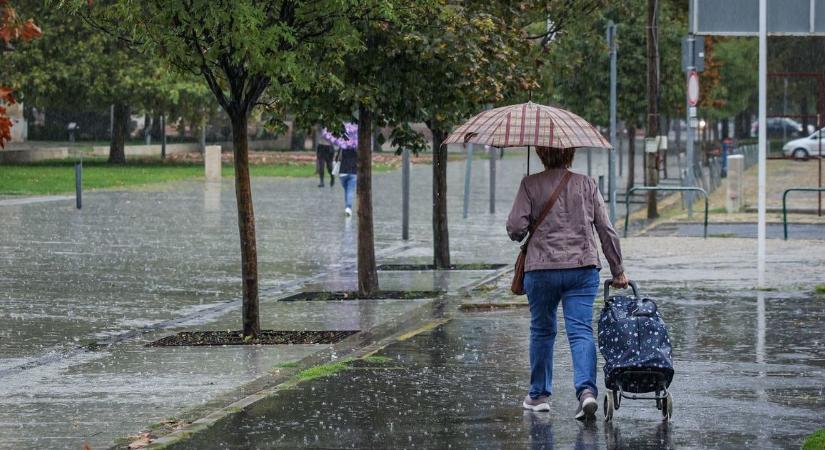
x: 804, y: 148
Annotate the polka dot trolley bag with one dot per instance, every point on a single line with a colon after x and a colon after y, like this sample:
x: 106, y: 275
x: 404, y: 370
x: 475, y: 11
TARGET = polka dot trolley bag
x: 636, y: 348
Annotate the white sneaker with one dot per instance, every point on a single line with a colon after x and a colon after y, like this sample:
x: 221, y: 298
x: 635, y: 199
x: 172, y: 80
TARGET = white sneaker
x: 348, y: 212
x: 536, y: 404
x: 587, y: 406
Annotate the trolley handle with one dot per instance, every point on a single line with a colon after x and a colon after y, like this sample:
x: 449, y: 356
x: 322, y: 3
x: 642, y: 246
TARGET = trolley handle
x: 609, y: 283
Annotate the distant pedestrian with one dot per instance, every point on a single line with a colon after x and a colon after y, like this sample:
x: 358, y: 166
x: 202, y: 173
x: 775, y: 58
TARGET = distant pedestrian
x: 348, y: 173
x: 562, y: 266
x: 323, y: 159
x: 347, y: 157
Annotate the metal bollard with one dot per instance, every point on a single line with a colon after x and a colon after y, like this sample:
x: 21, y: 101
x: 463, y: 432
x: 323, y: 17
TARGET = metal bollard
x: 78, y: 184
x: 405, y: 195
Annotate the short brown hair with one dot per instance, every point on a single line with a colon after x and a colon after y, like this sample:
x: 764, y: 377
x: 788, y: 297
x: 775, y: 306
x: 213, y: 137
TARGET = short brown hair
x: 556, y: 158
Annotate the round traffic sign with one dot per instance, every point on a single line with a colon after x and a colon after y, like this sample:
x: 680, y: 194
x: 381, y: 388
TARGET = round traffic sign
x: 693, y: 88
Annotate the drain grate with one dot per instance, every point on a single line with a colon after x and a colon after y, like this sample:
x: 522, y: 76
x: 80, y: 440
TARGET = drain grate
x: 267, y: 337
x: 353, y: 295
x: 413, y: 267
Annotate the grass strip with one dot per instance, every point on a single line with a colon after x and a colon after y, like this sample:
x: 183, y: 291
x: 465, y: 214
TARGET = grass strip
x: 57, y: 177
x: 323, y: 370
x: 815, y: 441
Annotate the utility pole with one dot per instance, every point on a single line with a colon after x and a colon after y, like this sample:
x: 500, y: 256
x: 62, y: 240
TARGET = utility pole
x: 652, y: 131
x: 611, y: 178
x: 763, y: 144
x: 690, y: 118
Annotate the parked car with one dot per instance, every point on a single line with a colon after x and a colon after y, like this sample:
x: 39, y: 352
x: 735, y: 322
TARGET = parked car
x: 782, y: 126
x: 806, y: 147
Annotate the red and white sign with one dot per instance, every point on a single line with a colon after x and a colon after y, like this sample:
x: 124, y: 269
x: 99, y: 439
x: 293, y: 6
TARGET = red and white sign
x: 693, y: 88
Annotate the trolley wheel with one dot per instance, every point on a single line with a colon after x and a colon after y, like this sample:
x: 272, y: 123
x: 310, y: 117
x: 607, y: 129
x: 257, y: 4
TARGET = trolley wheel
x: 609, y: 405
x: 617, y: 399
x: 667, y: 407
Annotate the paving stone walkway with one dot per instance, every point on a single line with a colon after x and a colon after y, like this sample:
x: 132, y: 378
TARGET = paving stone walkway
x: 136, y: 265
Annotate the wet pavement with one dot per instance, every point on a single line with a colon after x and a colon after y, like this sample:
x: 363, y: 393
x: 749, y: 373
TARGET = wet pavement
x: 137, y: 265
x: 744, y: 379
x: 140, y: 264
x: 805, y: 231
x: 105, y: 394
x: 750, y: 368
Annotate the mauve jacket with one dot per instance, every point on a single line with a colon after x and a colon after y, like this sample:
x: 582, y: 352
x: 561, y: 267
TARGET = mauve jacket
x: 565, y: 240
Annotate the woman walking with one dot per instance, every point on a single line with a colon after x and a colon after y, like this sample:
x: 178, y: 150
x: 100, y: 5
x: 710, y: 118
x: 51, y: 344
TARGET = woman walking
x: 562, y: 266
x: 348, y: 158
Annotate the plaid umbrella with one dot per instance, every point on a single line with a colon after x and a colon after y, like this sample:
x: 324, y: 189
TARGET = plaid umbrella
x: 528, y: 124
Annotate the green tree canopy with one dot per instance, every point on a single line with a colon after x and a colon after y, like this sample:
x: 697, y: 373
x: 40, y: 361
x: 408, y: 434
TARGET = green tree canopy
x: 251, y: 54
x: 576, y: 73
x: 95, y: 69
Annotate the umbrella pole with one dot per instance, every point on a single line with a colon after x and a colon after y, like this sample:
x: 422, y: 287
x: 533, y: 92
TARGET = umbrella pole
x: 528, y: 160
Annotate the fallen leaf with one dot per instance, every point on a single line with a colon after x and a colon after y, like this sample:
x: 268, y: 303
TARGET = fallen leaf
x: 143, y: 440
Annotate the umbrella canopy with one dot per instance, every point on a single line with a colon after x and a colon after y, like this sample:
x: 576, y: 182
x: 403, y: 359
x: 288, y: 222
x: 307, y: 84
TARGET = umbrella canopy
x: 528, y: 125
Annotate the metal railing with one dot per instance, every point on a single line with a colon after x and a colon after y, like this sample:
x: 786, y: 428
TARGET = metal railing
x: 662, y: 188
x: 785, y: 204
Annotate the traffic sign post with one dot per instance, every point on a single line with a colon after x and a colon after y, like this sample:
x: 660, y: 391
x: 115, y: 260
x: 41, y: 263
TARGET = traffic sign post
x: 693, y: 89
x: 690, y: 55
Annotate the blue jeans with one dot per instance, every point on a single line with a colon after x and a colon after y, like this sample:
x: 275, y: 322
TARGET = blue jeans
x: 575, y: 289
x: 348, y: 183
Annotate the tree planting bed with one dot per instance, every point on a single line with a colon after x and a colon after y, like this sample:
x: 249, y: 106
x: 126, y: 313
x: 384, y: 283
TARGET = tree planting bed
x: 414, y: 267
x: 267, y: 337
x: 353, y: 295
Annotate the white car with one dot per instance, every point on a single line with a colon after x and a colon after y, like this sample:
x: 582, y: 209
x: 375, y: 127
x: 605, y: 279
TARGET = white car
x: 803, y: 148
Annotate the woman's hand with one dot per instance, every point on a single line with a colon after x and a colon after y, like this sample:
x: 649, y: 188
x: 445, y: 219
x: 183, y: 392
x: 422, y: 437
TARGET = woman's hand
x: 620, y: 281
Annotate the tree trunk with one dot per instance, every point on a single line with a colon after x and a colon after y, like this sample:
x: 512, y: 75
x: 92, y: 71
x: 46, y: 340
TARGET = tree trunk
x: 375, y: 145
x: 246, y: 227
x: 120, y: 128
x: 652, y: 129
x: 803, y: 108
x: 297, y: 139
x: 441, y: 233
x: 202, y: 140
x: 147, y: 129
x: 742, y: 127
x: 663, y: 153
x: 163, y: 136
x: 678, y: 137
x: 315, y: 138
x: 156, y: 127
x: 367, y: 271
x: 631, y: 157
x: 725, y: 127
x: 714, y: 131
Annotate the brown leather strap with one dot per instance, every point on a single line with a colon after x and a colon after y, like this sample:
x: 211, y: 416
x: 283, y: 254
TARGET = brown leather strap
x: 548, y: 206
